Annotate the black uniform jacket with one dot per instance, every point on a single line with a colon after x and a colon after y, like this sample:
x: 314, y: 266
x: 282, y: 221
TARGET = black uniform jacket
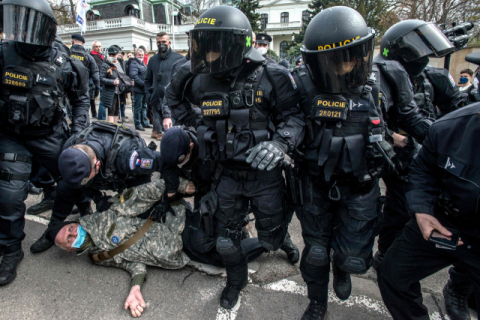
x: 449, y: 162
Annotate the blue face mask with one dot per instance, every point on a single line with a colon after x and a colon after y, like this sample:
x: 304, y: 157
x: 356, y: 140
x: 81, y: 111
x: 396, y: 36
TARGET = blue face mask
x: 81, y: 234
x: 463, y: 80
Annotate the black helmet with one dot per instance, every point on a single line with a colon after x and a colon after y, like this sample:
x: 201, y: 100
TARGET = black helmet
x: 30, y: 22
x: 114, y: 49
x: 220, y: 40
x: 411, y: 42
x: 338, y: 50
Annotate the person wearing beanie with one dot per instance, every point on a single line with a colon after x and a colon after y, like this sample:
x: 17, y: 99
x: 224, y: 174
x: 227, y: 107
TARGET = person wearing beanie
x: 105, y: 156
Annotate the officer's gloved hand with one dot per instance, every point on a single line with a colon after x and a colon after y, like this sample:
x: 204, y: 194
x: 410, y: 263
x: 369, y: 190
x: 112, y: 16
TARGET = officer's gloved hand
x: 159, y: 214
x: 266, y: 154
x: 97, y: 92
x: 102, y: 203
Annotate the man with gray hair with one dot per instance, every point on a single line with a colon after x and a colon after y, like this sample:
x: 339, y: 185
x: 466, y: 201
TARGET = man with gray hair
x: 96, y: 53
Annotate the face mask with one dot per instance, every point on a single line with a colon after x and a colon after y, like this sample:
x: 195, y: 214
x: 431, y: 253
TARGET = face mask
x: 81, y: 234
x: 111, y: 59
x: 162, y: 48
x: 140, y: 59
x: 182, y: 164
x: 262, y: 50
x: 463, y: 80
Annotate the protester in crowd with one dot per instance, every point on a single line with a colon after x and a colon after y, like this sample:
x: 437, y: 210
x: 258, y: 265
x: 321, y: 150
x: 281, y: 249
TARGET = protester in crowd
x: 299, y: 61
x: 123, y: 97
x: 109, y: 77
x: 129, y: 56
x: 158, y: 76
x: 96, y: 53
x: 137, y: 71
x: 145, y: 56
x: 466, y: 85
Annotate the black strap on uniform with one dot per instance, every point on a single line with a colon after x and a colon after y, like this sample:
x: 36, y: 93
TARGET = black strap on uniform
x: 221, y: 127
x: 333, y: 156
x: 252, y: 175
x: 12, y: 157
x: 325, y: 145
x: 6, y: 175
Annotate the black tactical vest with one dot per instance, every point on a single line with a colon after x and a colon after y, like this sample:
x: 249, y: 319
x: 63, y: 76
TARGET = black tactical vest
x: 80, y: 55
x: 345, y: 132
x: 32, y: 92
x: 423, y: 94
x: 231, y: 119
x: 119, y: 136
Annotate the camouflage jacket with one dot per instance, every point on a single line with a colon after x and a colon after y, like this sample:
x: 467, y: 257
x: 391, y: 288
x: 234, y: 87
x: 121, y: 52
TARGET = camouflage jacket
x: 161, y: 246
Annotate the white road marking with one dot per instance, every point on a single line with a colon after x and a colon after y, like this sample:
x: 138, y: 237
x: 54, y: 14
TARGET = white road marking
x: 224, y: 314
x: 37, y: 219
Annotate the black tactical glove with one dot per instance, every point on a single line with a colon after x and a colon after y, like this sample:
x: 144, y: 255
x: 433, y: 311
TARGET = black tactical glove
x: 101, y: 201
x: 97, y: 92
x: 266, y: 154
x: 159, y: 214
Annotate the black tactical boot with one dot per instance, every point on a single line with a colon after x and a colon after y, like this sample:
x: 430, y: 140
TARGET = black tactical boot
x: 46, y: 203
x: 9, y: 264
x: 377, y: 259
x: 42, y: 244
x: 456, y: 303
x: 290, y: 249
x: 85, y: 209
x: 34, y: 190
x: 342, y: 284
x: 315, y: 311
x: 230, y: 294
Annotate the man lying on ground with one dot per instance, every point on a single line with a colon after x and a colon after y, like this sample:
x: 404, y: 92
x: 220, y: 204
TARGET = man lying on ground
x: 107, y: 237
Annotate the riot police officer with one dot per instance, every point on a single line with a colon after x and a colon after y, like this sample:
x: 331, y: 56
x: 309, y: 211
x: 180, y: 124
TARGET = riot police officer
x: 410, y: 43
x: 345, y: 153
x: 104, y: 156
x: 77, y: 51
x: 250, y: 120
x: 36, y: 78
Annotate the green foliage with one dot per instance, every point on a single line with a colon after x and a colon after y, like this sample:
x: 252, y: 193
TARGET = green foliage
x: 249, y: 8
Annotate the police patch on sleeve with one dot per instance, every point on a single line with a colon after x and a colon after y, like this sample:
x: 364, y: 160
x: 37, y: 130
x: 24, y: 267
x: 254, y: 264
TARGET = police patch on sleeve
x: 133, y: 159
x: 146, y: 163
x: 452, y: 81
x: 293, y: 81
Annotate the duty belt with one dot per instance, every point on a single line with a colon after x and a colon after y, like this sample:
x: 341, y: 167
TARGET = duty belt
x: 12, y: 157
x: 6, y: 175
x: 252, y: 175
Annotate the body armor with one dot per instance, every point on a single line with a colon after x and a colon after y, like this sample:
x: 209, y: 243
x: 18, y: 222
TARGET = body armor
x: 32, y: 92
x: 119, y: 136
x: 80, y: 55
x: 231, y: 118
x: 345, y: 133
x: 424, y: 94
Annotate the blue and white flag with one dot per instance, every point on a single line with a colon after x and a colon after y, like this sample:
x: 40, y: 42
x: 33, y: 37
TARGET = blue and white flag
x: 81, y: 20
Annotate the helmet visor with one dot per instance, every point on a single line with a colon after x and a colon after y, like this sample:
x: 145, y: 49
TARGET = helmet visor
x: 28, y: 25
x: 341, y: 69
x: 427, y: 40
x: 215, y: 51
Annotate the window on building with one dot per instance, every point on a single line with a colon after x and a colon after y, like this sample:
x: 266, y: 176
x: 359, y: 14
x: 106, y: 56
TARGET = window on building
x: 264, y: 21
x: 132, y: 10
x: 283, y: 47
x: 93, y: 15
x: 305, y: 16
x: 284, y: 17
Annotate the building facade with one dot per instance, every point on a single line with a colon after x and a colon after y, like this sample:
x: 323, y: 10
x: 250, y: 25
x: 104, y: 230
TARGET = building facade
x: 282, y: 19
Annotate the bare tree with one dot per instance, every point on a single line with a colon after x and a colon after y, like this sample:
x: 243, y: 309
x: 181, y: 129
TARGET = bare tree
x: 200, y: 6
x: 64, y: 10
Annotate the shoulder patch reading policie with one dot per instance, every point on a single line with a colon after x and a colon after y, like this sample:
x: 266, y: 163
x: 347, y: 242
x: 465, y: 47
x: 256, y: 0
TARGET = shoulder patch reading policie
x: 452, y: 81
x: 292, y: 81
x: 133, y: 158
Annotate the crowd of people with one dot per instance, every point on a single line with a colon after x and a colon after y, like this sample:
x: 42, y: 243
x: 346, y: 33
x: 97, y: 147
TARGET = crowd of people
x: 227, y: 117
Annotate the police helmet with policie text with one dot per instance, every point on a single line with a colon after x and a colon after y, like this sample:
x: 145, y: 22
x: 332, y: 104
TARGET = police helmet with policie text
x: 338, y: 50
x: 220, y: 40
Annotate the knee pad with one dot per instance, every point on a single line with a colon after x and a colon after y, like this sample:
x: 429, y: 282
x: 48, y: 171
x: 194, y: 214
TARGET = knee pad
x: 317, y: 256
x: 228, y: 251
x: 354, y: 265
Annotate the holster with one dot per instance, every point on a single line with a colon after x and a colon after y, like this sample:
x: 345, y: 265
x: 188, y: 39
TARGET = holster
x: 208, y: 207
x: 294, y: 187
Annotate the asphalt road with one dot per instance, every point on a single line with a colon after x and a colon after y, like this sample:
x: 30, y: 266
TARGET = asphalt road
x: 58, y: 285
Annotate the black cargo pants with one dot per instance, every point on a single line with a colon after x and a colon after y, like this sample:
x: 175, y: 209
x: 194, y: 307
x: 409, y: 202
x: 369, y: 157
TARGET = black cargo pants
x: 410, y: 259
x: 14, y: 175
x: 265, y: 196
x: 345, y: 218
